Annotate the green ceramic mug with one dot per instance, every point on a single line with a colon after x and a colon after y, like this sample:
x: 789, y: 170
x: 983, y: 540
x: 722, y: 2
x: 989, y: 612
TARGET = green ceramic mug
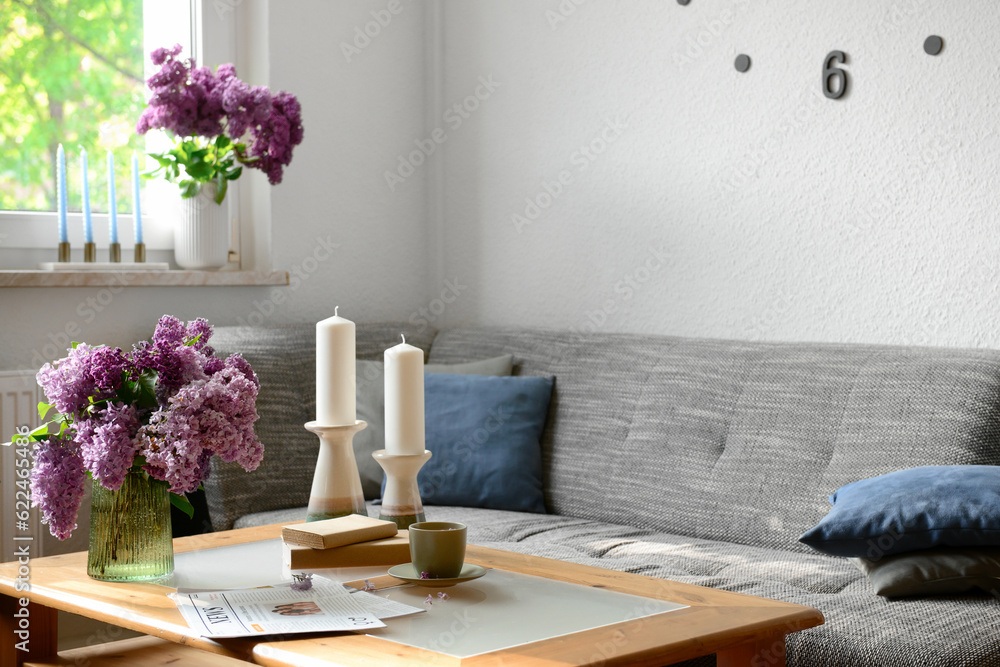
x: 438, y: 548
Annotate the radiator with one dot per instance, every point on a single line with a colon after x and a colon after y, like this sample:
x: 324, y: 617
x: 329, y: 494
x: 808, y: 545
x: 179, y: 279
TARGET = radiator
x: 19, y: 398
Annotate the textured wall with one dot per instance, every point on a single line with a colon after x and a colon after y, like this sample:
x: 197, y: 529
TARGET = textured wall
x: 357, y: 115
x: 720, y: 204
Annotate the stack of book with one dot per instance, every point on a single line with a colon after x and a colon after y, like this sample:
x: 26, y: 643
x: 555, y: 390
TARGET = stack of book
x: 347, y: 541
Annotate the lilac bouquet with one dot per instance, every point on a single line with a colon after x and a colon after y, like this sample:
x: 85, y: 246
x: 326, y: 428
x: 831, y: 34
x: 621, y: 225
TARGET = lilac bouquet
x: 165, y: 407
x: 211, y: 114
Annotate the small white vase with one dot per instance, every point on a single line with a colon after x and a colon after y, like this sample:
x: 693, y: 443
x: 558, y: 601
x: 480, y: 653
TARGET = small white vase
x: 202, y: 234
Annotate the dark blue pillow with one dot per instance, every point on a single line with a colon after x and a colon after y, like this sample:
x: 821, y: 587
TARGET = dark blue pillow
x: 484, y: 432
x: 913, y: 509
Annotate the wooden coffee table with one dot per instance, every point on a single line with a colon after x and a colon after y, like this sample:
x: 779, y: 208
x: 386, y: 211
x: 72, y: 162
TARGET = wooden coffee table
x: 741, y: 629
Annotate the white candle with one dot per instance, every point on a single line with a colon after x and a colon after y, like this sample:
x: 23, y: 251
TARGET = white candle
x: 335, y: 358
x: 404, y: 399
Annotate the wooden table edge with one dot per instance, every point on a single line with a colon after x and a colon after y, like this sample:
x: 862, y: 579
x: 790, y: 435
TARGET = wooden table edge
x: 779, y: 618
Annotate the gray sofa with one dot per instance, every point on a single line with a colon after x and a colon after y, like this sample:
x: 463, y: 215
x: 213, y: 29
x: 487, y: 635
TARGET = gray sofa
x: 700, y: 461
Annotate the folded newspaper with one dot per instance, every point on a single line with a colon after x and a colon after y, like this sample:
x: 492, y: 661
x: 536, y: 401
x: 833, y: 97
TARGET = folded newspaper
x: 326, y: 607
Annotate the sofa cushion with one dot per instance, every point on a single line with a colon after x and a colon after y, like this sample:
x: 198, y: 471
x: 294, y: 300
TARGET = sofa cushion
x: 284, y: 358
x: 370, y: 378
x: 911, y: 509
x: 739, y: 441
x: 484, y: 432
x: 940, y: 571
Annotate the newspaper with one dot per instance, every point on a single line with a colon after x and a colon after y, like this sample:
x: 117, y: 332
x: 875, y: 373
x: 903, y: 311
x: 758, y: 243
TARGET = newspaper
x: 281, y: 610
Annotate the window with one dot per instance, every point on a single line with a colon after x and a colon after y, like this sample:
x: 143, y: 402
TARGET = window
x: 73, y: 72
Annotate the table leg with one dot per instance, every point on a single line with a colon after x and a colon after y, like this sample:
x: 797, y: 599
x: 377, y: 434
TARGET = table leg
x: 765, y: 651
x: 28, y: 633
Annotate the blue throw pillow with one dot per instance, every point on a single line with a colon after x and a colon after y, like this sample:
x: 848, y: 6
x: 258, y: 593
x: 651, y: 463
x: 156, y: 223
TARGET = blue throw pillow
x: 484, y: 433
x: 913, y: 509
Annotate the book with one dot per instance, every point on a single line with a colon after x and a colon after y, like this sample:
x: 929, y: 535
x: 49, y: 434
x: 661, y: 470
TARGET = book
x: 393, y: 550
x: 338, y: 532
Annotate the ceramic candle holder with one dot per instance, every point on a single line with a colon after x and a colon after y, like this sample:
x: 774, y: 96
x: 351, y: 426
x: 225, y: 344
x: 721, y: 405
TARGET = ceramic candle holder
x: 336, y: 489
x: 401, y: 499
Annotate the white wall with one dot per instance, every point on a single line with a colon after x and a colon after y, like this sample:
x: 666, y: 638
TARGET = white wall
x: 729, y: 205
x: 357, y: 116
x: 782, y: 215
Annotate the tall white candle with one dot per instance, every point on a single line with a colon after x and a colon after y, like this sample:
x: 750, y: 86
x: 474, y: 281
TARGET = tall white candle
x: 335, y: 358
x: 404, y: 399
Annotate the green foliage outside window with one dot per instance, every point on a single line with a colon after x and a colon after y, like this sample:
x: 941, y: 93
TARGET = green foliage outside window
x: 70, y: 73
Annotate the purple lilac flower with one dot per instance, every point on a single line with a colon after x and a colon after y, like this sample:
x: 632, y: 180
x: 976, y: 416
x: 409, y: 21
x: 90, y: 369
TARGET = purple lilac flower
x: 57, y: 484
x: 428, y: 600
x: 68, y: 383
x: 443, y: 596
x: 301, y: 582
x: 275, y: 136
x: 369, y: 587
x: 106, y: 368
x: 213, y: 416
x: 201, y: 330
x: 108, y: 443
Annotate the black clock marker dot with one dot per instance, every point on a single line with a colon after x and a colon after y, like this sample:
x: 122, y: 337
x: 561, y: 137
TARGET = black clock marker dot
x: 933, y: 45
x: 742, y: 63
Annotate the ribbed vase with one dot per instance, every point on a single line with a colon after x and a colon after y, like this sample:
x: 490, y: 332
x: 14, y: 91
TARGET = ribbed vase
x: 130, y: 536
x: 202, y: 236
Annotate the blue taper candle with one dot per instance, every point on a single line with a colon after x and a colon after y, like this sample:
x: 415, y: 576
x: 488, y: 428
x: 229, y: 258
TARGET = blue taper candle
x: 112, y: 200
x: 61, y: 194
x: 88, y: 226
x: 136, y: 208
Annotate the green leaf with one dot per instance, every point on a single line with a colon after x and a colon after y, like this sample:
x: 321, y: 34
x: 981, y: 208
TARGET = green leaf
x: 189, y: 189
x: 43, y: 410
x: 182, y: 503
x: 146, y: 390
x: 234, y: 174
x: 220, y: 191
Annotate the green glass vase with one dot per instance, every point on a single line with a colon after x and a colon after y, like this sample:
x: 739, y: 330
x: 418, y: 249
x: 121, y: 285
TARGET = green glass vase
x: 130, y: 537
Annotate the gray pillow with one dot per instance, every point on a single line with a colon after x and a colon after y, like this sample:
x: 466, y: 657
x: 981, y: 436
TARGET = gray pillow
x: 370, y: 396
x: 939, y: 571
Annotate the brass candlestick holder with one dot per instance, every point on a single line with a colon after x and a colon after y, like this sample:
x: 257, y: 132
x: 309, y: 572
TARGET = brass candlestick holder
x: 401, y: 502
x: 336, y: 489
x: 64, y: 251
x: 115, y: 253
x: 90, y: 252
x: 140, y: 253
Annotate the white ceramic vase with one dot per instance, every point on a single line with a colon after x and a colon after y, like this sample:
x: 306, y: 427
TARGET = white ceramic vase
x: 202, y: 234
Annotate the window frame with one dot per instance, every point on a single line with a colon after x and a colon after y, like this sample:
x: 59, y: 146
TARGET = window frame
x: 215, y: 26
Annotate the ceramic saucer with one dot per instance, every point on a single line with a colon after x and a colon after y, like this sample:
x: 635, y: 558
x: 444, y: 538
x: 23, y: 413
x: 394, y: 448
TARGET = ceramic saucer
x: 409, y: 574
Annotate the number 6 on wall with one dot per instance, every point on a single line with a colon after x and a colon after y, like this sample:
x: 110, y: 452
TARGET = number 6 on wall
x: 831, y: 73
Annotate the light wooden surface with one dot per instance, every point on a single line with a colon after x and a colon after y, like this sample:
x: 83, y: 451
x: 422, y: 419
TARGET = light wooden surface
x: 743, y: 630
x: 11, y: 278
x: 145, y: 651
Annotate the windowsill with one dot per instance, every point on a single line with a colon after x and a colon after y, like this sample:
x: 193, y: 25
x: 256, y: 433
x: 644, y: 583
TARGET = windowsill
x: 141, y: 278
